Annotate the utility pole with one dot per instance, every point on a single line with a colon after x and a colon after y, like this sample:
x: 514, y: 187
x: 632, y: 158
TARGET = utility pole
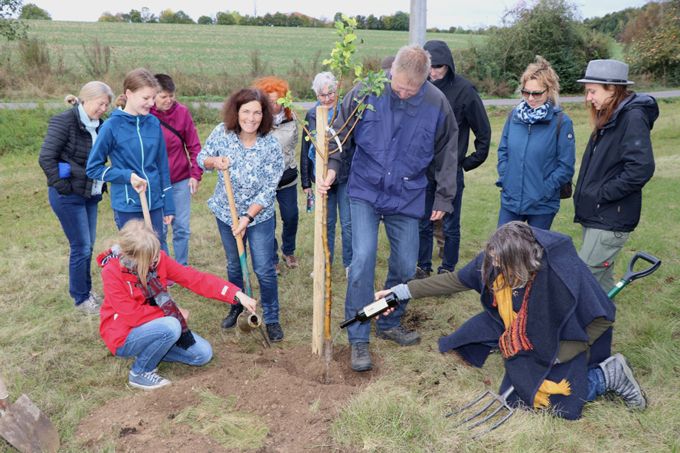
x: 417, y: 22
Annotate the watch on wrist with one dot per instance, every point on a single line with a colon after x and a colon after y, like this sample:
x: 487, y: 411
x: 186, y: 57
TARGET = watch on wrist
x: 250, y: 218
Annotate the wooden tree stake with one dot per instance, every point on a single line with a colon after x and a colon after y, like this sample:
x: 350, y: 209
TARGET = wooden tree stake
x: 321, y: 165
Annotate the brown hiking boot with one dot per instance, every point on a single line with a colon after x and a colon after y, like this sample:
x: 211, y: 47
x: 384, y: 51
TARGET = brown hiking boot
x: 291, y: 261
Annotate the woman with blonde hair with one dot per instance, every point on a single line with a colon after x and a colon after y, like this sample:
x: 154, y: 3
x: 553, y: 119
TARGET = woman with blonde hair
x: 140, y: 319
x: 73, y: 196
x: 536, y: 153
x: 132, y: 142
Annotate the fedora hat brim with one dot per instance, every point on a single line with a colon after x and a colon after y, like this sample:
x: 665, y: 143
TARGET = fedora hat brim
x: 605, y: 81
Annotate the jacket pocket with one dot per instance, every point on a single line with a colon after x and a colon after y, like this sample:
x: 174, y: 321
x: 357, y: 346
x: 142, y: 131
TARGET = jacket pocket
x: 412, y: 199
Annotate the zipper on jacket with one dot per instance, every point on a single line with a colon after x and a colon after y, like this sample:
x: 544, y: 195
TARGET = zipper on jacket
x: 148, y: 183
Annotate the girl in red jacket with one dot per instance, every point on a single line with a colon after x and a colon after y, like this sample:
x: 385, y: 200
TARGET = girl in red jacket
x: 139, y: 318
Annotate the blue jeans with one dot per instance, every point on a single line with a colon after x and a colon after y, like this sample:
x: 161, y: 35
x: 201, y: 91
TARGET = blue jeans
x: 154, y: 342
x: 121, y: 218
x: 181, y: 229
x: 288, y: 209
x: 543, y: 221
x: 596, y: 384
x: 451, y: 230
x: 338, y: 201
x: 261, y: 239
x: 78, y: 218
x: 401, y: 231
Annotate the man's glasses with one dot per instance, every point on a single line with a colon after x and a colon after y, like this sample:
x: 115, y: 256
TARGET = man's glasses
x: 535, y: 94
x: 437, y: 66
x: 328, y: 95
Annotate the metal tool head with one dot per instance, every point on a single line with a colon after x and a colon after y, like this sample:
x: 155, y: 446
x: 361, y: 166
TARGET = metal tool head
x: 485, y: 413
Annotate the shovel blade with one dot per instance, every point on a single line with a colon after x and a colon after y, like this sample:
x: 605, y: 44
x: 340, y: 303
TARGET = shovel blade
x: 28, y: 430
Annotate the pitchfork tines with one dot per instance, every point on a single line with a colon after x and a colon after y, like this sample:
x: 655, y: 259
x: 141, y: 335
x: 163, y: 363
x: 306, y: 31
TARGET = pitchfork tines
x: 492, y: 410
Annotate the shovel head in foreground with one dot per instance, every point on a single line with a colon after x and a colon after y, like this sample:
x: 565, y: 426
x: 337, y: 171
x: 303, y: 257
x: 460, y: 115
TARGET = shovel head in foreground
x: 28, y: 430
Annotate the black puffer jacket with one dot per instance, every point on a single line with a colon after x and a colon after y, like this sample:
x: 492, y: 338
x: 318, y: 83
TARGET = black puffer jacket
x: 67, y: 140
x: 306, y: 164
x: 617, y: 163
x: 467, y: 107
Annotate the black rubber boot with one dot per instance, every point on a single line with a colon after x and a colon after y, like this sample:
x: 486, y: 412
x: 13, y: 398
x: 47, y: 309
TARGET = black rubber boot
x: 230, y: 320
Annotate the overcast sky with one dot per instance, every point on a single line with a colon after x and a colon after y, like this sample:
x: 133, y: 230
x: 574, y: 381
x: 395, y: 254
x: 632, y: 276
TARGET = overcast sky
x: 440, y: 13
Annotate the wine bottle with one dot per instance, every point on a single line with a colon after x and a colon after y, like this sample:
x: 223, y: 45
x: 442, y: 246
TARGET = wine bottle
x: 372, y: 310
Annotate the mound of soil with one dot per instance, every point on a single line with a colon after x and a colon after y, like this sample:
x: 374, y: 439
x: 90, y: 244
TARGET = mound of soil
x: 289, y: 389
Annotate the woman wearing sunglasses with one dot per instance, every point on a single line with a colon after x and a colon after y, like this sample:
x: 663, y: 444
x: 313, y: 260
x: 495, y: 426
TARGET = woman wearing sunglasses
x: 536, y: 153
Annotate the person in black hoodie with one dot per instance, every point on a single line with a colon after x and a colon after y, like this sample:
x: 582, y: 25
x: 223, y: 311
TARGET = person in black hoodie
x: 73, y: 196
x: 470, y: 114
x: 617, y: 163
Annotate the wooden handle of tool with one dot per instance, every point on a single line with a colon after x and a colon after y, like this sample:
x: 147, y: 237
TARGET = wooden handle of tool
x: 232, y: 207
x: 145, y: 209
x: 3, y: 391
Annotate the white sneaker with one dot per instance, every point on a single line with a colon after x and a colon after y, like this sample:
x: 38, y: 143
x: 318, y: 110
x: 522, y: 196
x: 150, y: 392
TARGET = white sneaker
x: 98, y: 300
x: 88, y: 306
x: 149, y: 380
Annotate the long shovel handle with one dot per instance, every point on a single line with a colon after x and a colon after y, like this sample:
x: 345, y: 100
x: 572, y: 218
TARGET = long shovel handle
x: 145, y: 209
x: 631, y: 275
x: 239, y: 239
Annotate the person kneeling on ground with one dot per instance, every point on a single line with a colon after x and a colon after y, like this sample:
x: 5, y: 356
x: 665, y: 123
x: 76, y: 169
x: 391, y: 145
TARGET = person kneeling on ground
x: 139, y: 318
x: 545, y: 312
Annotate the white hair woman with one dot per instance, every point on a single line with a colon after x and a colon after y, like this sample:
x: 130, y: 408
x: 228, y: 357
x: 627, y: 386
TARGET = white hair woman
x: 325, y: 86
x: 73, y: 196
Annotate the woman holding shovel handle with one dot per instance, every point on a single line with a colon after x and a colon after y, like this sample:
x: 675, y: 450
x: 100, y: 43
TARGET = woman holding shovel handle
x: 132, y: 141
x: 140, y: 319
x: 546, y: 313
x: 243, y: 145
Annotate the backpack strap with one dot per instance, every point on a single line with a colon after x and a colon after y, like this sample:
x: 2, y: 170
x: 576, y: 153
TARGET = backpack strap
x: 173, y: 130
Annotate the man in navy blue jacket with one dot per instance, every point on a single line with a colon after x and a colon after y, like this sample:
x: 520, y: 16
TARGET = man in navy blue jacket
x: 410, y: 130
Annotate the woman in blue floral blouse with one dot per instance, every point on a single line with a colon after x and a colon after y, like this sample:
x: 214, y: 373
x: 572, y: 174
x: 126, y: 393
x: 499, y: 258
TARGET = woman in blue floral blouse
x: 242, y: 144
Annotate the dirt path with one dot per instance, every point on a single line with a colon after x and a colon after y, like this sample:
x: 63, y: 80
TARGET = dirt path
x: 282, y: 388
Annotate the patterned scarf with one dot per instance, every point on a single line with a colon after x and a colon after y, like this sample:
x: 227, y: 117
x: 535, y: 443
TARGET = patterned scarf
x: 515, y: 339
x: 157, y: 294
x: 527, y: 115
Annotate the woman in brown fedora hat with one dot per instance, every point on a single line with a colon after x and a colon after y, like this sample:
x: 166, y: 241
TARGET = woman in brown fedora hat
x: 617, y: 163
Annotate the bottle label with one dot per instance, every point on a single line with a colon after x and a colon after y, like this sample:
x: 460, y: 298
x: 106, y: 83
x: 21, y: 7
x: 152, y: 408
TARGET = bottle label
x: 375, y: 307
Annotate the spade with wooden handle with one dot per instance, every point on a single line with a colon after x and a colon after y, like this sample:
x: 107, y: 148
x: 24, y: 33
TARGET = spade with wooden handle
x: 145, y: 209
x: 240, y: 246
x: 25, y: 426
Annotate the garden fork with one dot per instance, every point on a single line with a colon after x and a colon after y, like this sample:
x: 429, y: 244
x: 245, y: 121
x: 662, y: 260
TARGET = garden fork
x: 494, y: 409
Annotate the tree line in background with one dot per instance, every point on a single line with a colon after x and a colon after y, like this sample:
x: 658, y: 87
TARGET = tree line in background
x: 649, y: 37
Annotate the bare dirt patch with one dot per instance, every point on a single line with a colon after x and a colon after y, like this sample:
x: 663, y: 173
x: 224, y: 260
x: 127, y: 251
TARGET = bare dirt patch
x: 284, y: 387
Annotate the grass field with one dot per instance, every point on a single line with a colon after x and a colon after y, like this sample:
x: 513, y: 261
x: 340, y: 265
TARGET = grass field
x: 213, y: 49
x: 55, y: 355
x: 205, y: 59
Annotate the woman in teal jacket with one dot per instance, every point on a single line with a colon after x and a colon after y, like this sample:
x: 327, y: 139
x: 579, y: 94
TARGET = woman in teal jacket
x: 133, y: 142
x: 536, y: 153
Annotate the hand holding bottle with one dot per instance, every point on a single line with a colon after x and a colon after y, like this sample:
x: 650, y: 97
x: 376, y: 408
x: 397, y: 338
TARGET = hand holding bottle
x: 380, y: 306
x: 379, y: 295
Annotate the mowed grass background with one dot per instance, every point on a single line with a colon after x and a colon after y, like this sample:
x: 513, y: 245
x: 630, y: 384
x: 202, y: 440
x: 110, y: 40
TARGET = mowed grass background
x: 204, y: 60
x: 54, y: 354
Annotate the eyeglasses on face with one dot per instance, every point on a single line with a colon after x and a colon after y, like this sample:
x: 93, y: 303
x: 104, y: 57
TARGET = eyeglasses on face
x: 535, y: 94
x: 328, y: 95
x: 437, y: 66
